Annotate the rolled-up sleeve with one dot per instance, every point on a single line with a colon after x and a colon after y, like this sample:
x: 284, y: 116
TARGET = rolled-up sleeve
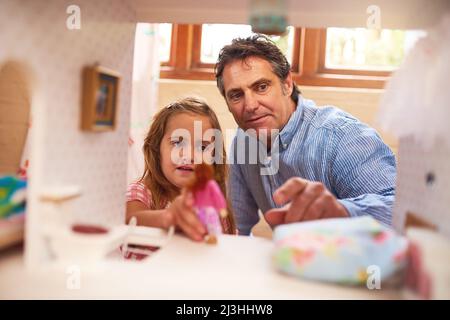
x: 364, y: 172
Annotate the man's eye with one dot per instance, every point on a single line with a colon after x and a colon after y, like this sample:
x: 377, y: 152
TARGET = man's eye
x: 235, y: 96
x: 262, y: 87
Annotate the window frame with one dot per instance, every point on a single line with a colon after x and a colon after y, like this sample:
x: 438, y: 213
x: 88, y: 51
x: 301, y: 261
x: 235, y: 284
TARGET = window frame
x: 308, y: 61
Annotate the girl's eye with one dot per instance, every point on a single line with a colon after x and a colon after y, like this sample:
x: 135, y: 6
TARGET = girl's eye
x: 177, y: 142
x: 203, y: 146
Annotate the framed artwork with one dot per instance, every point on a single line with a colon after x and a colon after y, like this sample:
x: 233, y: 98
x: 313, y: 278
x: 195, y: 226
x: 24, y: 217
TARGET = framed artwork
x: 100, y: 99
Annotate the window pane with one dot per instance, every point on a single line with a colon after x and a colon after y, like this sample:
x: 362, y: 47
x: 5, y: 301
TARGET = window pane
x: 165, y: 39
x: 368, y: 49
x: 215, y: 36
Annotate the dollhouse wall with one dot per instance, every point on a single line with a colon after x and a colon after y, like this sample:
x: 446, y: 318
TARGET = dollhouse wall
x: 35, y: 33
x: 423, y: 184
x: 399, y: 14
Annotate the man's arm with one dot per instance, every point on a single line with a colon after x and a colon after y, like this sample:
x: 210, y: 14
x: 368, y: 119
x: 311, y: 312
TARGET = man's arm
x: 362, y: 175
x: 363, y: 172
x: 244, y: 206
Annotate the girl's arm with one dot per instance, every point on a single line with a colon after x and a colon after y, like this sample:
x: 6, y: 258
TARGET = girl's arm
x: 179, y: 213
x: 149, y: 218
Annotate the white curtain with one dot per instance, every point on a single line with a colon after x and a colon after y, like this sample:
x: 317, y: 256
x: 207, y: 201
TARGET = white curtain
x: 144, y: 94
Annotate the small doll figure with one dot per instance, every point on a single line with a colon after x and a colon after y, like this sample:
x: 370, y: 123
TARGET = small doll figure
x: 209, y: 202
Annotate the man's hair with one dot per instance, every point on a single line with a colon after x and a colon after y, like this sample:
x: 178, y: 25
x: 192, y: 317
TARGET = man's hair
x: 257, y: 45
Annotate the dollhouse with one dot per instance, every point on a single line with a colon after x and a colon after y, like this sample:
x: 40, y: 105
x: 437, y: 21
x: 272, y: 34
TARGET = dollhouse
x: 418, y: 111
x: 79, y: 176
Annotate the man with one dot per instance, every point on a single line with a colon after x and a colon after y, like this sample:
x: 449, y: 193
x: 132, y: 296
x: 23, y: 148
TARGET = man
x: 330, y: 164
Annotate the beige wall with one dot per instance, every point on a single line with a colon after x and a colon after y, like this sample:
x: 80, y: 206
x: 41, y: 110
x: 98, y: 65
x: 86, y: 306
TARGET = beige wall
x: 15, y: 86
x: 362, y: 103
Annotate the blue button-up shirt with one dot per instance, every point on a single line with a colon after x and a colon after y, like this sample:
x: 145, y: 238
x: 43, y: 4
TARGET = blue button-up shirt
x: 322, y: 144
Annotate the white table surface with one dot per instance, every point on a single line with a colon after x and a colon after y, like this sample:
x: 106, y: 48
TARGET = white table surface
x: 236, y: 268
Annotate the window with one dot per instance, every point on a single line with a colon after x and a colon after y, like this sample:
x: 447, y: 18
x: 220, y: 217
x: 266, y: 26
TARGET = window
x: 337, y: 57
x: 367, y: 49
x: 215, y: 36
x: 164, y: 39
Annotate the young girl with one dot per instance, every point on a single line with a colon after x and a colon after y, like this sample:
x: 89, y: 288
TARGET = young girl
x: 160, y: 198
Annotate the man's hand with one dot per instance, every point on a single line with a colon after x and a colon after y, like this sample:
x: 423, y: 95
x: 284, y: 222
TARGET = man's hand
x: 306, y: 200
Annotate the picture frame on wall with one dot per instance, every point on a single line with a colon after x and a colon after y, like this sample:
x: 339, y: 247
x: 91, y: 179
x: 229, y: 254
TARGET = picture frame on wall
x: 100, y: 99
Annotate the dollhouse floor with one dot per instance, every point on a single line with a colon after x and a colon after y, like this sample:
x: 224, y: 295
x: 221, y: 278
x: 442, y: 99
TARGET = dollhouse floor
x: 181, y: 270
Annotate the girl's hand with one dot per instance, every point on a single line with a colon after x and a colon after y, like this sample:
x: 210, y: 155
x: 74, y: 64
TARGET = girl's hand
x: 150, y: 218
x: 185, y: 218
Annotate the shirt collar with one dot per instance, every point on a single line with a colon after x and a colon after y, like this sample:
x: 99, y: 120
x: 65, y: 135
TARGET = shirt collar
x: 291, y: 127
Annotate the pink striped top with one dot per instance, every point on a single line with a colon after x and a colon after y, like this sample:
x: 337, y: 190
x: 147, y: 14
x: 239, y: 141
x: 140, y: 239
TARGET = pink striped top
x: 137, y: 191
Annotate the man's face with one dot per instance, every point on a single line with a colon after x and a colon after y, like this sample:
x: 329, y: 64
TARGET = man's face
x: 255, y: 95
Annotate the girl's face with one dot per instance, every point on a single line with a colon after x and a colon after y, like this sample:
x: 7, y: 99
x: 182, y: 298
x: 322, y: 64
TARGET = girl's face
x: 183, y: 145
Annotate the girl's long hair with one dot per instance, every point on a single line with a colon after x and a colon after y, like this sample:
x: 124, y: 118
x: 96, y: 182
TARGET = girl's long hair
x: 161, y: 189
